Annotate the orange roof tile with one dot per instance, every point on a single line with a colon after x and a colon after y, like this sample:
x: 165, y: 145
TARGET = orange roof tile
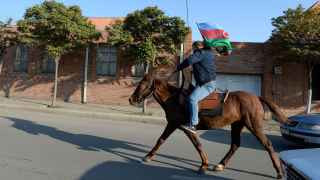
x: 315, y: 6
x: 102, y: 22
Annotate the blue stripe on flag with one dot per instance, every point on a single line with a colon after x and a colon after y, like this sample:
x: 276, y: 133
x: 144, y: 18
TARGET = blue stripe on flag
x: 207, y: 26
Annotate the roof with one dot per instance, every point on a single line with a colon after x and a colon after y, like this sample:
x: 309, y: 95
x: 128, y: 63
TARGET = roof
x: 101, y: 23
x: 315, y: 6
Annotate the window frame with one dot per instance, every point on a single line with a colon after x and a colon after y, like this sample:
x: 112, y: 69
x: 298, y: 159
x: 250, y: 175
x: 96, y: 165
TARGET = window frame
x: 140, y: 72
x: 46, y: 62
x: 21, y: 61
x: 106, y: 56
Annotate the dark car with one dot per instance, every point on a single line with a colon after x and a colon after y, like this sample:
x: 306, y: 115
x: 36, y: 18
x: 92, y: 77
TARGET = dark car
x: 304, y: 129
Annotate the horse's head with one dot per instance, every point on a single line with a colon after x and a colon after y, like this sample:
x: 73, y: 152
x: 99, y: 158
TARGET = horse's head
x: 144, y: 90
x: 148, y: 84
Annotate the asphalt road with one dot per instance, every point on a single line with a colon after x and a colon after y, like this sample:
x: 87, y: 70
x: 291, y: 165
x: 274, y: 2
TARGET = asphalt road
x: 40, y: 146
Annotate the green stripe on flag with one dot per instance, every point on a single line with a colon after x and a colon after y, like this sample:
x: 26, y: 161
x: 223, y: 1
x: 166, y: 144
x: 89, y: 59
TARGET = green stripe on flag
x: 218, y: 43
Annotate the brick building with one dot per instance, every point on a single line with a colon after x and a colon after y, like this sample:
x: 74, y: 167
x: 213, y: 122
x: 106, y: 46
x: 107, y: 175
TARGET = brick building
x: 249, y: 68
x: 29, y: 73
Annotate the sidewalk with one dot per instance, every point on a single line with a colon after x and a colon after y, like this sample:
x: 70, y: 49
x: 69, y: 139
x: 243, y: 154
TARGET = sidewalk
x: 113, y: 112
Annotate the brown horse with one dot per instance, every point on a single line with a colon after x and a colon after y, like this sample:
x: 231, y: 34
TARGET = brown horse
x: 241, y: 110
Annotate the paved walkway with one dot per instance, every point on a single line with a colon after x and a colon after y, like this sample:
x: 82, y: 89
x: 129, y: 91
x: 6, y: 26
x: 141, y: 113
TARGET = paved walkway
x: 114, y: 112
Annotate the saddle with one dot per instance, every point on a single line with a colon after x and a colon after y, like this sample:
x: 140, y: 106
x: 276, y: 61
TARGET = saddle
x: 212, y: 105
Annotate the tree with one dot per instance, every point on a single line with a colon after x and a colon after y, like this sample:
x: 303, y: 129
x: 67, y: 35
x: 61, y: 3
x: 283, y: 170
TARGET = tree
x: 296, y: 37
x: 58, y: 29
x: 148, y: 36
x: 8, y: 36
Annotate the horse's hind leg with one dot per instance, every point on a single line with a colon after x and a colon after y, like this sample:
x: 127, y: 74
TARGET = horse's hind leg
x: 268, y: 146
x: 236, y: 129
x: 204, y: 157
x: 166, y: 133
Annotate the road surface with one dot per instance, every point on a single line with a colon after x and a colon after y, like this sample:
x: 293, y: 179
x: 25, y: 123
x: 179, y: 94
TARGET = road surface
x: 40, y: 146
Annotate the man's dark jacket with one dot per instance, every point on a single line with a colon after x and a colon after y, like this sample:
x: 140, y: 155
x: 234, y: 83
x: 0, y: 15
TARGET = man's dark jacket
x: 203, y: 65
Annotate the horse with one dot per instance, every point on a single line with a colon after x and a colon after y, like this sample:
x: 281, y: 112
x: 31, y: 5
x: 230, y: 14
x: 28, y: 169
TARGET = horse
x: 241, y: 109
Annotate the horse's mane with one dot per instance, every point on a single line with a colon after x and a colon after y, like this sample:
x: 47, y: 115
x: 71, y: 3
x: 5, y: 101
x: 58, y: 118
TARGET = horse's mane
x: 169, y: 85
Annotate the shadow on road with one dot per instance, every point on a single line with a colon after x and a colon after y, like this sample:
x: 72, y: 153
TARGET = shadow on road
x: 137, y: 171
x: 82, y: 141
x: 133, y: 167
x: 94, y: 143
x: 248, y: 140
x: 90, y: 142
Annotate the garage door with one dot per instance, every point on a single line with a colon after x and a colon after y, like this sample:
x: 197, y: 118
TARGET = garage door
x: 249, y: 83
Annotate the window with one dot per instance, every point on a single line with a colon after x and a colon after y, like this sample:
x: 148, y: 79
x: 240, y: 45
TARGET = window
x: 137, y: 70
x: 21, y: 60
x: 106, y: 61
x: 48, y: 64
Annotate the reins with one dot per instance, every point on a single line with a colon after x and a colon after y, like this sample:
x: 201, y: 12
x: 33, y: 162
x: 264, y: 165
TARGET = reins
x: 182, y: 83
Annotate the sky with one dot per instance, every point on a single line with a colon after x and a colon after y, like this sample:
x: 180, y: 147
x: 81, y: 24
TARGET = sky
x: 244, y: 20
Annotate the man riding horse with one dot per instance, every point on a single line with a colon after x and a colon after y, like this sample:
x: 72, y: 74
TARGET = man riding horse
x: 240, y: 109
x: 204, y: 68
x: 204, y: 71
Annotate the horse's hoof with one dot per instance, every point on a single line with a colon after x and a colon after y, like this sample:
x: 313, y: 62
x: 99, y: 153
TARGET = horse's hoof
x: 218, y: 168
x: 202, y: 171
x: 146, y: 159
x: 279, y: 176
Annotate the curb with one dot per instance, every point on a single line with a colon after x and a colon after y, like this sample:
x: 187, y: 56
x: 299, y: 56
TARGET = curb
x: 269, y: 126
x: 89, y: 114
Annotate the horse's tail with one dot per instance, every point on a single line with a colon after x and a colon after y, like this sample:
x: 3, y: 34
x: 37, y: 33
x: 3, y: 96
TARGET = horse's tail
x: 275, y: 109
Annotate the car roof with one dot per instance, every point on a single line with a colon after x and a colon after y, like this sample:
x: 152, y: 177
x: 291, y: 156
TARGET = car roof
x: 310, y: 118
x: 306, y: 161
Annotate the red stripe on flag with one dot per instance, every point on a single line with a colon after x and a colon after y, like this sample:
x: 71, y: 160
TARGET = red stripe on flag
x: 214, y: 34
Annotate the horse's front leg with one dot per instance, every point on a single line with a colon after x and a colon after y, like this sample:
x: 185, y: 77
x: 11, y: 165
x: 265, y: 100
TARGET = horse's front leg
x: 166, y: 133
x: 204, y: 157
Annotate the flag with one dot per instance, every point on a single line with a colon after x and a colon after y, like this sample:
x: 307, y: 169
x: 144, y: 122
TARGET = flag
x: 214, y: 35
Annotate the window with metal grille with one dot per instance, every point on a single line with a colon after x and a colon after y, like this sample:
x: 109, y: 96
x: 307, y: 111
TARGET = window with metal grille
x: 48, y: 64
x: 106, y: 61
x: 21, y: 59
x: 138, y: 70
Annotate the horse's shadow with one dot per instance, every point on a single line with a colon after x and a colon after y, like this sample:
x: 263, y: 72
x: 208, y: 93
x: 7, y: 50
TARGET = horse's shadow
x: 248, y: 140
x: 94, y: 143
x: 124, y: 170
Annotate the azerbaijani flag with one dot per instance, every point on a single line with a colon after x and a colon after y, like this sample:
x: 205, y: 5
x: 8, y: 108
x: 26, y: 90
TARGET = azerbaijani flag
x: 214, y: 35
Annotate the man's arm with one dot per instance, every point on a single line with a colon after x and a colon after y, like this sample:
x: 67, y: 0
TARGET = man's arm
x: 194, y: 58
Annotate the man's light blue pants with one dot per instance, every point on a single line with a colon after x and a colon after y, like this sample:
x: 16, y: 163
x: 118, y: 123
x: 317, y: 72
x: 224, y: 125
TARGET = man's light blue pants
x: 199, y: 93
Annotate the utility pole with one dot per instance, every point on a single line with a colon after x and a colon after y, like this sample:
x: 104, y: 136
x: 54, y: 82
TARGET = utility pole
x: 85, y: 78
x: 182, y: 44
